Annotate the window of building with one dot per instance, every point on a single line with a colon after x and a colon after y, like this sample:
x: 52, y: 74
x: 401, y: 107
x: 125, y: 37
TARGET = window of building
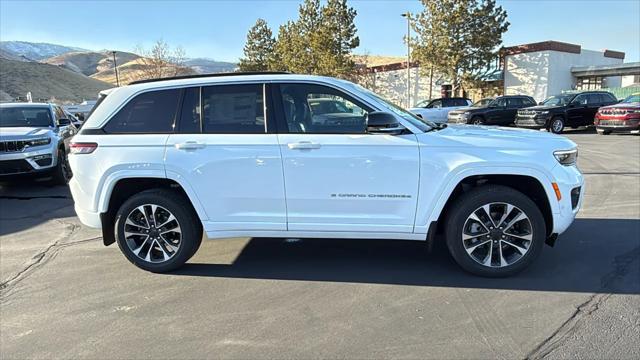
x: 590, y: 83
x: 233, y: 109
x: 151, y: 112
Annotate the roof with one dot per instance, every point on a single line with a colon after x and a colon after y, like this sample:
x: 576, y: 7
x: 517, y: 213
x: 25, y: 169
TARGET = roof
x: 632, y: 68
x: 23, y: 104
x: 554, y: 46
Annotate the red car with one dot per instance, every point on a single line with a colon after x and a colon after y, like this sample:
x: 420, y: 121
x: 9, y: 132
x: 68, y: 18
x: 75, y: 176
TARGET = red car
x: 621, y: 117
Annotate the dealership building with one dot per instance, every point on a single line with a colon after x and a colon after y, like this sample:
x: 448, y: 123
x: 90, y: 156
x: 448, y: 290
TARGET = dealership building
x: 538, y: 70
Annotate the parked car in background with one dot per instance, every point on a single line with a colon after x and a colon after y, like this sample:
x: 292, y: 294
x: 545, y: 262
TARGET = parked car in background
x: 34, y: 141
x: 482, y: 102
x: 437, y: 110
x: 621, y: 117
x: 559, y: 111
x: 328, y: 111
x: 500, y: 111
x: 161, y: 163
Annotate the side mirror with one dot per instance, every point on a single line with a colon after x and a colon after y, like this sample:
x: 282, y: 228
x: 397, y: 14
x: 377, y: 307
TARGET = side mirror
x: 64, y: 122
x: 379, y: 122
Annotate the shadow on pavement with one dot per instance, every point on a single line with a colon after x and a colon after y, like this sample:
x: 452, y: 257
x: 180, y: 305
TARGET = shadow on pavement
x: 593, y: 256
x: 30, y: 203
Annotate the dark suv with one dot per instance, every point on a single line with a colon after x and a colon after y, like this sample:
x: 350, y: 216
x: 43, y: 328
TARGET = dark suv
x: 501, y: 111
x: 559, y: 111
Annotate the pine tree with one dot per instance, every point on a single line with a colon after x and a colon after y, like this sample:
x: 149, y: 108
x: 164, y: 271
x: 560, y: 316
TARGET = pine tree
x: 259, y: 49
x: 459, y: 38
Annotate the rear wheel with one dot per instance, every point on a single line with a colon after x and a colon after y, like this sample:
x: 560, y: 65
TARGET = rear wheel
x: 557, y: 125
x: 495, y: 231
x: 157, y: 230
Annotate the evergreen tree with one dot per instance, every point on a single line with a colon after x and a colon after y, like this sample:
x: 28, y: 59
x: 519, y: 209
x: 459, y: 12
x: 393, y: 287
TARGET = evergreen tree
x: 259, y: 49
x: 459, y: 38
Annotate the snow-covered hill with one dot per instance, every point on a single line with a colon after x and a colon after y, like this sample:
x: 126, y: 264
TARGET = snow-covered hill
x: 36, y: 51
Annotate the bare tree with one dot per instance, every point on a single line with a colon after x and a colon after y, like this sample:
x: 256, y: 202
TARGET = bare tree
x: 160, y: 61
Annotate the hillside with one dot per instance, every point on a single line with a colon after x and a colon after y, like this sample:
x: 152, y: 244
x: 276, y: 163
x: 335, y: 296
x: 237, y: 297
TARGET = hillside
x: 209, y: 66
x: 36, y: 51
x: 45, y: 82
x: 90, y: 62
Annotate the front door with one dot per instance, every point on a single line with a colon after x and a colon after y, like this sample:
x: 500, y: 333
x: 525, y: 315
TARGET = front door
x: 578, y: 110
x: 337, y: 176
x: 224, y: 150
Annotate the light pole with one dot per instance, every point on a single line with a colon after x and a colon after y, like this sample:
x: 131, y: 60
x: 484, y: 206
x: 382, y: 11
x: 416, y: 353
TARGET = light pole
x: 408, y: 16
x: 115, y: 68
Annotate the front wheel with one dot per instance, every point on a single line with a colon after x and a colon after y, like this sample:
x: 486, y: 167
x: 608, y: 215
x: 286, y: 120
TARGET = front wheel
x: 157, y: 230
x: 495, y: 231
x: 62, y: 171
x: 477, y: 120
x: 557, y: 125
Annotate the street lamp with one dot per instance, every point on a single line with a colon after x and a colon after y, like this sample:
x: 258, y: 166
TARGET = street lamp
x: 408, y: 16
x: 115, y: 68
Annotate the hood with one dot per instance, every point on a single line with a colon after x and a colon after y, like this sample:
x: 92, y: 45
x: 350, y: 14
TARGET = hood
x: 466, y: 108
x: 622, y: 106
x: 542, y: 107
x: 501, y: 138
x: 20, y: 133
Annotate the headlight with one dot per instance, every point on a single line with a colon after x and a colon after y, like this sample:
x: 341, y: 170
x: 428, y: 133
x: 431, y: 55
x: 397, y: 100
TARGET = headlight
x: 633, y: 111
x: 544, y: 113
x: 38, y: 142
x: 464, y: 114
x: 566, y: 157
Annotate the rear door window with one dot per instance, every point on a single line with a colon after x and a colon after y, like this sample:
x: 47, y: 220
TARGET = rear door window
x: 233, y: 109
x: 514, y: 103
x: 594, y: 99
x: 147, y: 113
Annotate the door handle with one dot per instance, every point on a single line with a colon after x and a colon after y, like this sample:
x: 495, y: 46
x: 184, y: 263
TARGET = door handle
x: 190, y: 145
x: 303, y: 145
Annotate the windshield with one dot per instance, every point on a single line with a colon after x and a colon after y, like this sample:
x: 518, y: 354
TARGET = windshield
x: 422, y: 103
x: 482, y: 103
x: 557, y: 100
x: 422, y: 124
x: 26, y: 116
x: 635, y: 98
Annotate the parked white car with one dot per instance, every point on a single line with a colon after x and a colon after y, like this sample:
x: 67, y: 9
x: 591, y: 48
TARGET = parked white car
x: 34, y: 141
x: 437, y: 110
x: 160, y: 162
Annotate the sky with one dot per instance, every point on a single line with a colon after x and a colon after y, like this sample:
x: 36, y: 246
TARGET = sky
x: 217, y: 29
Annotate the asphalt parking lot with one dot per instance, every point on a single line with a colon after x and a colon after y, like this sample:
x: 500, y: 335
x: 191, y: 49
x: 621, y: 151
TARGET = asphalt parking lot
x: 64, y: 295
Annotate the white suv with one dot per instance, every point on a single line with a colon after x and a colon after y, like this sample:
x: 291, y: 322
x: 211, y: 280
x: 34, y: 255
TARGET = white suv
x: 160, y: 162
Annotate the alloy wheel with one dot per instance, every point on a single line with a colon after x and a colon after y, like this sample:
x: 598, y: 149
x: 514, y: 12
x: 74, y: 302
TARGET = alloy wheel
x: 152, y: 233
x: 557, y: 125
x: 497, y: 235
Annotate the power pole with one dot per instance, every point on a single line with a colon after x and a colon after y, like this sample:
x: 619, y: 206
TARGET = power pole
x: 115, y: 68
x: 408, y: 16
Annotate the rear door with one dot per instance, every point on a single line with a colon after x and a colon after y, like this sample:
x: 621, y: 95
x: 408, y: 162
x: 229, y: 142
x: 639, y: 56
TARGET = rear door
x: 226, y: 151
x: 594, y: 101
x: 496, y: 112
x: 578, y: 110
x: 509, y: 115
x: 339, y: 177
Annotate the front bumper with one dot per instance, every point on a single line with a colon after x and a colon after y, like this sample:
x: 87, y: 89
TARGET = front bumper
x: 532, y: 122
x: 571, y: 185
x: 36, y: 160
x: 617, y: 124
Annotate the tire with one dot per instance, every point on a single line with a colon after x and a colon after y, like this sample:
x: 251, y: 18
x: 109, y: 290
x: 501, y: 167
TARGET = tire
x: 476, y: 120
x: 62, y: 172
x: 166, y: 251
x: 556, y: 125
x: 510, y: 246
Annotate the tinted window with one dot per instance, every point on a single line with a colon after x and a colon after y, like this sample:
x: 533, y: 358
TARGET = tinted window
x: 580, y: 99
x: 151, y: 112
x: 190, y: 113
x: 502, y: 102
x: 233, y: 109
x: 315, y: 109
x: 594, y: 99
x: 528, y: 102
x: 514, y: 102
x: 610, y: 98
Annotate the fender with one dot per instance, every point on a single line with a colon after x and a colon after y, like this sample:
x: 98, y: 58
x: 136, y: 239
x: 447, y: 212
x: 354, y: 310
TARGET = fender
x: 433, y: 211
x: 151, y: 171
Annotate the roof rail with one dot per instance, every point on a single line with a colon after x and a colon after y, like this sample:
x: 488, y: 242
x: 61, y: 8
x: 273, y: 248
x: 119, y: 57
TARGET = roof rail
x: 210, y: 75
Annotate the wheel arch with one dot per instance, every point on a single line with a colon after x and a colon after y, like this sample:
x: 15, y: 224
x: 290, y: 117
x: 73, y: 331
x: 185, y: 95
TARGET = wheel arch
x: 117, y: 191
x: 527, y: 181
